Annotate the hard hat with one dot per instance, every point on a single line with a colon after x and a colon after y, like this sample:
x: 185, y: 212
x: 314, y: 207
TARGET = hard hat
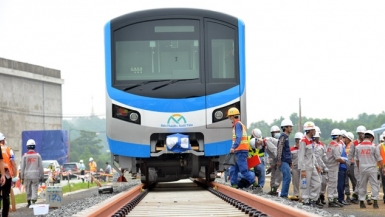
x: 286, y: 122
x: 81, y: 161
x: 298, y: 135
x: 336, y: 132
x: 343, y: 132
x: 252, y: 143
x: 349, y: 135
x: 316, y: 135
x: 2, y: 137
x: 256, y: 133
x: 317, y: 129
x: 31, y: 142
x: 309, y: 126
x: 233, y: 111
x: 274, y: 128
x: 369, y: 132
x: 91, y: 159
x: 361, y: 129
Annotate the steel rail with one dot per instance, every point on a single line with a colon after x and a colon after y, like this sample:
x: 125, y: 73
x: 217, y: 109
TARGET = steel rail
x: 271, y: 208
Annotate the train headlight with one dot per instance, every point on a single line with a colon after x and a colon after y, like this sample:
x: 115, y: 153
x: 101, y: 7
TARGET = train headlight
x: 134, y: 116
x: 126, y: 114
x: 218, y: 115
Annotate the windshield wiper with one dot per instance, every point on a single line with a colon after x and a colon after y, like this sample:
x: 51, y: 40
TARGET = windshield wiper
x: 141, y: 84
x: 173, y: 82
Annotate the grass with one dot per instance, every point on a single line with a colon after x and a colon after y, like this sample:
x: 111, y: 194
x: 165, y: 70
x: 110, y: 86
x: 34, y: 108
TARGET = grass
x: 22, y: 198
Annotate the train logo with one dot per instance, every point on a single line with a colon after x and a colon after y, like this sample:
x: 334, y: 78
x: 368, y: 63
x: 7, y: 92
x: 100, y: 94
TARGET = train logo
x: 176, y: 120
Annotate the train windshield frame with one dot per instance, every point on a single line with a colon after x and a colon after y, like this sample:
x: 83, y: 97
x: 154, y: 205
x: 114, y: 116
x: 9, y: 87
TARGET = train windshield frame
x: 153, y: 53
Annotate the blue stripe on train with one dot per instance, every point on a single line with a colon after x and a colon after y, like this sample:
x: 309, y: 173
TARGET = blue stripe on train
x: 175, y: 105
x: 129, y: 149
x: 142, y: 150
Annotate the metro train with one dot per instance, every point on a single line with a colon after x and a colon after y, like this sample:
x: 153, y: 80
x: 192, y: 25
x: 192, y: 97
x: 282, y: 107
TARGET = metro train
x: 169, y: 71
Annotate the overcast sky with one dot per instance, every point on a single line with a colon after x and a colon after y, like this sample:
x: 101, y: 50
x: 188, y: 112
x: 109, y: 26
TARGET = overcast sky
x: 329, y: 53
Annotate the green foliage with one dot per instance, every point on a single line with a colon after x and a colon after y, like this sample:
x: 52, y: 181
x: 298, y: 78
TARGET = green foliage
x: 326, y: 125
x: 87, y: 139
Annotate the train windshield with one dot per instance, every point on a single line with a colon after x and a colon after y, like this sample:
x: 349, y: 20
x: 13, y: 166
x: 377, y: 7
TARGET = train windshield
x: 157, y: 50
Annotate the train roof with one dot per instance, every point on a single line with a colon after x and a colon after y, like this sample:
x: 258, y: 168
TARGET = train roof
x: 140, y: 16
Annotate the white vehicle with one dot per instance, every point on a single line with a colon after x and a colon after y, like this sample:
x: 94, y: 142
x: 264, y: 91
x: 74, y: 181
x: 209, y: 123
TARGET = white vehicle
x: 47, y: 171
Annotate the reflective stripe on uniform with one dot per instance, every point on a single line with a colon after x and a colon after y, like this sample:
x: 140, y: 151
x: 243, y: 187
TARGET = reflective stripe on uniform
x: 243, y: 145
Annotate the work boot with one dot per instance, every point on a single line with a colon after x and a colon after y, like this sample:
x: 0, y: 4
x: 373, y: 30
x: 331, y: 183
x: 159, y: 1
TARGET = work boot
x: 295, y: 198
x: 348, y: 199
x: 29, y: 203
x: 322, y: 198
x: 338, y: 203
x: 362, y: 205
x: 273, y: 192
x: 368, y: 201
x: 333, y: 204
x: 316, y: 204
x: 354, y: 199
x: 344, y: 202
x: 33, y: 201
x: 234, y: 186
x: 375, y: 205
x: 258, y: 189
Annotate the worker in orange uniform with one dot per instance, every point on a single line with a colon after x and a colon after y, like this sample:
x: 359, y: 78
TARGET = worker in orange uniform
x: 240, y: 146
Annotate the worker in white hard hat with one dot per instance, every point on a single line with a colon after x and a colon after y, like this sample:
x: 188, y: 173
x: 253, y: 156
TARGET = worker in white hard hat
x: 259, y: 170
x: 381, y: 146
x: 308, y: 164
x: 367, y: 157
x: 295, y: 172
x: 320, y: 152
x: 82, y: 169
x: 333, y: 154
x: 348, y: 140
x: 284, y: 160
x: 342, y: 170
x: 31, y: 171
x: 360, y: 133
x: 271, y: 149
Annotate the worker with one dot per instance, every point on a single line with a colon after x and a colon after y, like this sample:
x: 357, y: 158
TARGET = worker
x: 367, y: 157
x: 294, y: 170
x: 382, y: 153
x: 342, y: 169
x: 284, y: 156
x: 349, y: 138
x: 82, y: 169
x: 240, y: 147
x: 320, y: 152
x: 10, y: 172
x: 333, y: 154
x: 360, y: 134
x: 271, y: 149
x: 31, y: 171
x: 308, y: 165
x: 92, y: 165
x: 259, y: 170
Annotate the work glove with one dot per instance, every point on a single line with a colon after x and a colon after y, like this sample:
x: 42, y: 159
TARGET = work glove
x: 41, y: 180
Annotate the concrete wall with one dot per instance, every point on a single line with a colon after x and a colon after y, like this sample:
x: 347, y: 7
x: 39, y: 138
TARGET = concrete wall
x: 30, y: 99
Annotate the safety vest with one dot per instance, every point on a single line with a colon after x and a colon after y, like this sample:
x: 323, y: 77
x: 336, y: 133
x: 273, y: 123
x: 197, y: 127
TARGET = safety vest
x: 382, y: 152
x: 92, y: 166
x: 243, y: 145
x: 254, y: 152
x: 6, y: 151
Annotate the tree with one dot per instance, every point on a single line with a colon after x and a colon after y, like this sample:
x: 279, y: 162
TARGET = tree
x: 87, y: 142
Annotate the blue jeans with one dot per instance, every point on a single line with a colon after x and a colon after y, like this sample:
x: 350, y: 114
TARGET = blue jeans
x: 241, y: 167
x: 226, y: 174
x: 341, y: 184
x: 260, y: 172
x: 286, y: 179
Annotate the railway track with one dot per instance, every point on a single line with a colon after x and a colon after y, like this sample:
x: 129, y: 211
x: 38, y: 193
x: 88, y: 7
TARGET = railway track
x: 188, y: 198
